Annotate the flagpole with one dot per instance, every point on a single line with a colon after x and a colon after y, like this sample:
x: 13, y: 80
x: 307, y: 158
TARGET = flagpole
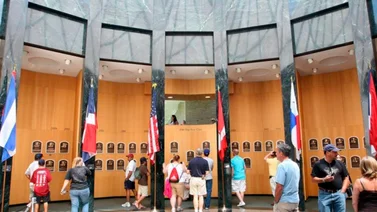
x: 3, y: 186
x: 155, y: 187
x: 223, y: 184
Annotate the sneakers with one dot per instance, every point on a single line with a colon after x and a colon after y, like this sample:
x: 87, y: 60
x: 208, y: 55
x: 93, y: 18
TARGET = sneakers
x: 241, y: 204
x: 127, y: 204
x: 206, y: 208
x: 179, y: 209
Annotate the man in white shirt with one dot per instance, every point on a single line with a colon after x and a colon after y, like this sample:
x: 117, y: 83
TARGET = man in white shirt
x: 129, y: 182
x: 207, y: 202
x: 29, y: 173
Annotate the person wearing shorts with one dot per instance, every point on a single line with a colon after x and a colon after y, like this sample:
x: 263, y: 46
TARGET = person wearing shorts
x: 238, y: 177
x: 143, y: 183
x: 41, y: 178
x: 129, y: 182
x: 29, y: 173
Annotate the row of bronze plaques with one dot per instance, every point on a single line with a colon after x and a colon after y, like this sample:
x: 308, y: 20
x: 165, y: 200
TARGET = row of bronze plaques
x: 62, y: 165
x: 36, y: 147
x: 354, y: 161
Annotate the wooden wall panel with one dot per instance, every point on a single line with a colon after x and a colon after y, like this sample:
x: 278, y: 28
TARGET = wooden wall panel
x: 190, y: 138
x: 256, y: 114
x: 45, y: 112
x: 189, y: 87
x: 331, y: 108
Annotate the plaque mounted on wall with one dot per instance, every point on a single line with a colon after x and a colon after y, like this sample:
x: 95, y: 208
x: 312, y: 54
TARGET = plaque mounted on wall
x: 313, y: 160
x: 353, y: 142
x: 50, y: 147
x: 120, y: 164
x: 98, y: 165
x: 36, y: 146
x: 189, y: 155
x: 120, y: 148
x: 365, y: 145
x: 246, y: 146
x: 206, y: 145
x: 132, y: 148
x: 313, y: 144
x: 50, y: 165
x: 174, y: 147
x: 99, y: 147
x: 110, y: 148
x: 269, y: 146
x: 143, y: 148
x: 63, y: 165
x: 343, y: 160
x: 325, y: 141
x: 247, y: 163
x: 235, y: 145
x: 110, y: 165
x: 339, y: 143
x: 355, y: 161
x: 257, y: 146
x: 63, y: 147
x: 279, y: 142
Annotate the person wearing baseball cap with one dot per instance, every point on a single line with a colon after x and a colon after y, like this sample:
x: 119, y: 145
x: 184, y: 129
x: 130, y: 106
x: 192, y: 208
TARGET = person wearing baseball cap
x: 129, y: 182
x: 332, y: 179
x: 207, y: 202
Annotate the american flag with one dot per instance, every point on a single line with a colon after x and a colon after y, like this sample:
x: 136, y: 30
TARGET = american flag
x: 89, y: 137
x: 153, y: 145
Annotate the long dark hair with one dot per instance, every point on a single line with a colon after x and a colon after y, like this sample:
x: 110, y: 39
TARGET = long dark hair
x: 174, y: 119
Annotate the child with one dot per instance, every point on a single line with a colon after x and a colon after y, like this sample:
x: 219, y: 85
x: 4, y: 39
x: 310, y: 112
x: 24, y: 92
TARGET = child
x: 143, y: 183
x: 41, y: 177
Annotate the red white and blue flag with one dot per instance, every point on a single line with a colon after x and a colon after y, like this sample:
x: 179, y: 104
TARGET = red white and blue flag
x: 372, y: 113
x: 8, y: 120
x: 295, y: 123
x: 153, y: 144
x: 89, y: 137
x: 221, y: 133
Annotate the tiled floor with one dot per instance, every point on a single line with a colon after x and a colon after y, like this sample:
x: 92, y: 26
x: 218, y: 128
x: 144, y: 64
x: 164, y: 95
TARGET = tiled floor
x: 253, y: 203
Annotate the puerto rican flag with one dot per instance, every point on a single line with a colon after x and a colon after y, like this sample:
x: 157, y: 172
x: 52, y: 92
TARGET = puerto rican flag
x: 372, y: 112
x: 295, y: 123
x: 89, y: 138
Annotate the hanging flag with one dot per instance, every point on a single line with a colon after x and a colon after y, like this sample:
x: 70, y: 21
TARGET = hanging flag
x: 222, y: 144
x: 295, y: 123
x: 153, y: 145
x: 8, y: 120
x: 372, y: 112
x: 89, y: 137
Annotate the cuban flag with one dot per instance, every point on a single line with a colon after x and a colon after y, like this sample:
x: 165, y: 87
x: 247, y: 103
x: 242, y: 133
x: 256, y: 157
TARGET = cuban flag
x: 89, y: 137
x: 8, y: 120
x: 295, y: 123
x: 372, y: 112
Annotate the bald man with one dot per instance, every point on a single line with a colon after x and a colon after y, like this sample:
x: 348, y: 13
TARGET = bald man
x: 238, y: 177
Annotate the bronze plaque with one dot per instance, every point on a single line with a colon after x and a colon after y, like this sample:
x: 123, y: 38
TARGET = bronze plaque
x: 63, y: 147
x: 174, y: 147
x: 63, y: 165
x: 269, y: 146
x: 343, y: 160
x: 99, y: 147
x: 325, y: 141
x: 365, y: 144
x: 313, y: 160
x: 143, y: 148
x: 206, y: 145
x: 235, y: 145
x: 120, y: 148
x: 110, y: 148
x: 50, y: 147
x: 354, y: 142
x: 110, y: 165
x: 247, y: 162
x: 279, y: 142
x: 50, y: 165
x: 36, y: 147
x: 339, y: 143
x: 132, y: 148
x: 355, y: 162
x: 257, y: 146
x: 313, y: 144
x: 246, y: 146
x: 120, y: 164
x: 98, y: 165
x: 189, y: 155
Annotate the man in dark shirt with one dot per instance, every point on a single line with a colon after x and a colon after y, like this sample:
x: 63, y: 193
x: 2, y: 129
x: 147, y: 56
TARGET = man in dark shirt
x: 198, y: 168
x: 143, y: 183
x: 332, y: 179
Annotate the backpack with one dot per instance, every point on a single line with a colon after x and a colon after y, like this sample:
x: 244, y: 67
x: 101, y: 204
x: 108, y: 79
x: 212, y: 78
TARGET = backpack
x: 137, y: 173
x: 173, y: 177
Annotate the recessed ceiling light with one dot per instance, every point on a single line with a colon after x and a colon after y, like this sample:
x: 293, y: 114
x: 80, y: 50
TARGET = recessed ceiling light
x: 238, y: 70
x: 240, y: 79
x: 138, y: 79
x: 105, y: 68
x: 315, y: 70
x: 100, y: 76
x: 274, y: 66
x: 277, y: 75
x: 170, y: 97
x: 67, y: 62
x: 351, y: 52
x: 61, y: 71
x: 310, y: 60
x: 207, y: 97
x: 206, y: 71
x: 172, y: 72
x: 140, y: 70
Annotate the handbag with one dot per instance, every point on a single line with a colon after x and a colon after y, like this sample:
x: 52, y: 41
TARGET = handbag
x: 350, y: 188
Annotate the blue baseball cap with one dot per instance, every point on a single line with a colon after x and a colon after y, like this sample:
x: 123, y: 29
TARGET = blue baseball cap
x: 206, y: 151
x: 331, y: 147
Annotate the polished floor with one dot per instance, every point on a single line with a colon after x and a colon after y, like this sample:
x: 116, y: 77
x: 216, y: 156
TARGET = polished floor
x: 253, y: 203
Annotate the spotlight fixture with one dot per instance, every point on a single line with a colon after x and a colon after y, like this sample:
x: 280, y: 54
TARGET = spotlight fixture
x: 277, y: 75
x: 170, y: 97
x: 100, y: 76
x: 351, y: 52
x: 238, y: 70
x: 61, y: 71
x: 206, y: 72
x: 207, y: 97
x: 274, y: 66
x: 172, y: 72
x: 105, y: 68
x: 138, y: 79
x: 67, y: 62
x: 310, y: 60
x: 140, y: 70
x: 315, y: 70
x: 240, y: 79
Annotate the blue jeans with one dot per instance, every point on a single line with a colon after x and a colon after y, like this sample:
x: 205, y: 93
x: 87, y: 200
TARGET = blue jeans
x: 331, y: 202
x: 207, y: 202
x: 78, y: 196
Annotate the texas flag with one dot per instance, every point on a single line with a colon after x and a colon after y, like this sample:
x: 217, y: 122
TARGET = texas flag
x: 295, y: 123
x: 372, y: 112
x: 89, y: 137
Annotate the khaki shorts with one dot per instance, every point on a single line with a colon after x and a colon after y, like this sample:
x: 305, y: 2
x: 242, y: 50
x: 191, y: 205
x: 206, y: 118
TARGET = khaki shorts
x: 143, y: 190
x: 238, y: 185
x: 178, y: 189
x: 31, y: 191
x: 198, y: 186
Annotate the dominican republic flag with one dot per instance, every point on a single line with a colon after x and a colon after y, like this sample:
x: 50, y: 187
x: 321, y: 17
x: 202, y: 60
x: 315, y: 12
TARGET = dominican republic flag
x: 89, y: 137
x: 295, y: 123
x: 372, y: 112
x: 153, y: 145
x: 222, y: 144
x: 8, y: 120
